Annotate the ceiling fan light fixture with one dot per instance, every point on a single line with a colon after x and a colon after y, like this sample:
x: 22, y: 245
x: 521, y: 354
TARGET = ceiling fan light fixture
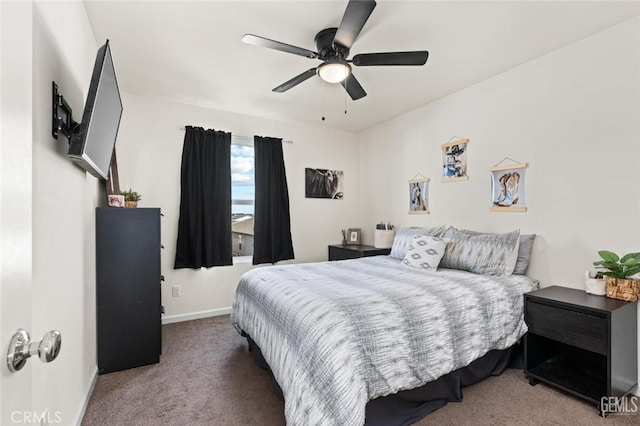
x: 334, y: 72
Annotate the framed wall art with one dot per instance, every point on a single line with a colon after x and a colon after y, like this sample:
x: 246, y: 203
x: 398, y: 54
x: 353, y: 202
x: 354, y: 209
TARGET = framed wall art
x: 508, y: 188
x: 323, y: 183
x: 454, y: 160
x: 419, y: 196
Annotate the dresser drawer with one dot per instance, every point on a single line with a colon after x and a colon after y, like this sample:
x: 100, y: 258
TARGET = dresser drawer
x: 574, y: 328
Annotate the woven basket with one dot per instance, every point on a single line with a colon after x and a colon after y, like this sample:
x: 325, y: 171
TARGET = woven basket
x: 623, y: 289
x: 131, y: 204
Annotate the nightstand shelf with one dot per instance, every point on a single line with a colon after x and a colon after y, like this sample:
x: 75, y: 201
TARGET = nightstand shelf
x: 581, y: 379
x: 353, y: 251
x: 583, y: 344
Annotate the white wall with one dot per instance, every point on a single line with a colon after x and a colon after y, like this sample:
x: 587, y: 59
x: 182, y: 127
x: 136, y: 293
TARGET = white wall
x: 573, y: 115
x: 149, y: 150
x: 63, y: 220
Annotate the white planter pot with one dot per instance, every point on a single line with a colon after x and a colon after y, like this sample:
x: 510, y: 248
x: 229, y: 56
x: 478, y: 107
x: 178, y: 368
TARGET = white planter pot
x: 594, y: 286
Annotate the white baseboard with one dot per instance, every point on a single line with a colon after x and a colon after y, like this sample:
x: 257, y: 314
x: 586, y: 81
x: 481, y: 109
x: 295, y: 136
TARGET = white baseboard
x: 87, y: 397
x: 195, y: 315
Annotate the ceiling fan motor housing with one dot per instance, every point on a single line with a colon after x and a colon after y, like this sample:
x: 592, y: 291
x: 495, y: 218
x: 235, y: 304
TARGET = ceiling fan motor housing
x: 325, y: 46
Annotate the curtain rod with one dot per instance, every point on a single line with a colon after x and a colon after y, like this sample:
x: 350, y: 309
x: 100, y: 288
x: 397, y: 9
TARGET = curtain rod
x: 241, y: 138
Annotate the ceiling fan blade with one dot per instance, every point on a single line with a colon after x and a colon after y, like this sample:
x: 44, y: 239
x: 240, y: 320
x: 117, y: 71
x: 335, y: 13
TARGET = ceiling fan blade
x: 355, y: 16
x: 391, y: 58
x: 277, y: 45
x: 353, y: 88
x: 295, y: 80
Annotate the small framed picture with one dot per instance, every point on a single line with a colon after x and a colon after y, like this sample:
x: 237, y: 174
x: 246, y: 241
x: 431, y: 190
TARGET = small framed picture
x: 353, y: 236
x: 115, y: 200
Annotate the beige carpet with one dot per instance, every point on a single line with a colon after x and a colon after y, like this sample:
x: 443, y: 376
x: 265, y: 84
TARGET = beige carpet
x: 207, y: 377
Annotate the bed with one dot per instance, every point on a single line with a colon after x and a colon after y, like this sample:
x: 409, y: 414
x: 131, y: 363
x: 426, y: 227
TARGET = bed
x: 337, y: 335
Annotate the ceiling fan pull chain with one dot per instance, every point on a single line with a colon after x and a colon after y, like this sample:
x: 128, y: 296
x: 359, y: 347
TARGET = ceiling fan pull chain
x: 322, y: 100
x: 346, y: 83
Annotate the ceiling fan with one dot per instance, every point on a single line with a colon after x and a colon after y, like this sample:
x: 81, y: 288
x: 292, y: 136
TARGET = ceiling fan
x: 333, y: 46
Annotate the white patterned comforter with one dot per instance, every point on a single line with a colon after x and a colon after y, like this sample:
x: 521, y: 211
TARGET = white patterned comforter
x: 337, y: 334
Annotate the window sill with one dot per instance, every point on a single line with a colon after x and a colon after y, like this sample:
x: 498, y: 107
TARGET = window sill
x: 237, y: 260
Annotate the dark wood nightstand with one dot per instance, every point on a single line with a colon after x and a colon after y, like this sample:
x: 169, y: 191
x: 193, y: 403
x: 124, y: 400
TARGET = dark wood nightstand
x: 583, y: 344
x: 352, y: 251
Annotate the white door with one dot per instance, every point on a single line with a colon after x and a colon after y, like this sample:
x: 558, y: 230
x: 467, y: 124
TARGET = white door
x: 16, y: 20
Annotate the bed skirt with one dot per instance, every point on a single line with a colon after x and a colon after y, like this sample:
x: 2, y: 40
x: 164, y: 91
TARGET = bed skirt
x: 408, y: 406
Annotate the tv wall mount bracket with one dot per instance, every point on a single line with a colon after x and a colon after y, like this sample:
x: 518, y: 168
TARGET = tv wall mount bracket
x: 62, y: 115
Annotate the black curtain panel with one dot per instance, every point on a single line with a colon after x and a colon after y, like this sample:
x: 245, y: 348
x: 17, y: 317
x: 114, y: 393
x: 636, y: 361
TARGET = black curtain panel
x: 272, y: 225
x: 204, y: 227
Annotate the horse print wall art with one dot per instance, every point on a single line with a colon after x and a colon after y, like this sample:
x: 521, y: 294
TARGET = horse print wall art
x: 419, y: 196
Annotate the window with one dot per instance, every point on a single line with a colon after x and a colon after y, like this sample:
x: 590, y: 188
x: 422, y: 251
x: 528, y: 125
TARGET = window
x: 242, y: 196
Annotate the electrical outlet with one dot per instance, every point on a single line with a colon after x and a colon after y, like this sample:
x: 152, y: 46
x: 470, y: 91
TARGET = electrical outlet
x: 176, y: 291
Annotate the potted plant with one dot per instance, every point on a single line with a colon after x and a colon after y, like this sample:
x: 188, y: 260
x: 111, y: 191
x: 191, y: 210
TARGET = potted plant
x: 618, y: 271
x: 131, y: 198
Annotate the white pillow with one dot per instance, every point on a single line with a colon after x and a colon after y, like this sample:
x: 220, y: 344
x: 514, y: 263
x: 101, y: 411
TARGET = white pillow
x: 425, y: 252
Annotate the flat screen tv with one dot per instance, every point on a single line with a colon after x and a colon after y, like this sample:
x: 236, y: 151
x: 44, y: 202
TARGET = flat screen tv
x: 91, y: 143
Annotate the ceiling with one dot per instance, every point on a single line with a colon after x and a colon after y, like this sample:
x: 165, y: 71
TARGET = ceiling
x: 191, y: 51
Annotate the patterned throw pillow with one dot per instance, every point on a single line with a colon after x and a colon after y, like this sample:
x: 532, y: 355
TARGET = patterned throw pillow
x: 524, y: 250
x: 405, y: 235
x: 486, y: 254
x: 425, y: 252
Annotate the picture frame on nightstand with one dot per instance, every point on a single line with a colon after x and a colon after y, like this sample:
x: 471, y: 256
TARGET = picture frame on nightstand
x: 353, y: 236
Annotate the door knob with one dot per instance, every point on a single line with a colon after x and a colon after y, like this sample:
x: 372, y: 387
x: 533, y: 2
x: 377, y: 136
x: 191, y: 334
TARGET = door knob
x: 21, y: 348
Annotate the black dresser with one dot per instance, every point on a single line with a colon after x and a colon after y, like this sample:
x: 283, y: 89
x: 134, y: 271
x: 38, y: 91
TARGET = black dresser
x: 128, y: 287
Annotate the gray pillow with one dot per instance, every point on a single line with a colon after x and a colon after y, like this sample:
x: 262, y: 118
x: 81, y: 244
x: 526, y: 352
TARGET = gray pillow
x: 524, y: 253
x: 524, y: 250
x: 403, y: 237
x: 486, y: 254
